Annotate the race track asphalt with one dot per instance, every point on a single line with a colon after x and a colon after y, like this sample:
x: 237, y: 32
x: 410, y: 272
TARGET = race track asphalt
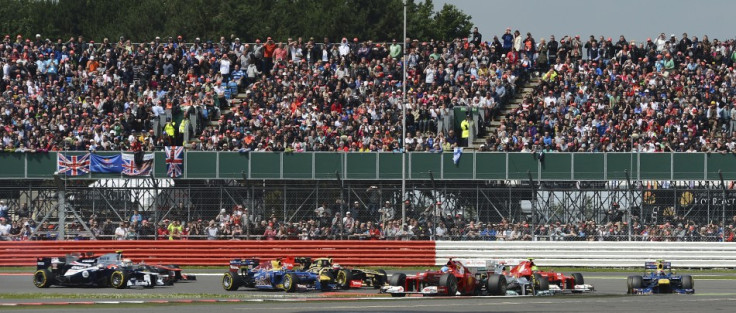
x: 712, y: 295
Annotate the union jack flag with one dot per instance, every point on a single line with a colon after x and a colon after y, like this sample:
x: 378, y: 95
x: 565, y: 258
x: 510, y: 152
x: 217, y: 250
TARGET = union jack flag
x: 174, y: 161
x: 130, y: 168
x: 73, y: 165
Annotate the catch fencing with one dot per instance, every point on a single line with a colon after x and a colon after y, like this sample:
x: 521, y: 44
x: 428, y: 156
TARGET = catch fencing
x: 617, y: 210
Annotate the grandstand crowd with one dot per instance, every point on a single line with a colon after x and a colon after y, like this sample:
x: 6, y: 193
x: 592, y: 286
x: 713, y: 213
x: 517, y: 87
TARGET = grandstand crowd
x: 666, y: 94
x: 670, y: 93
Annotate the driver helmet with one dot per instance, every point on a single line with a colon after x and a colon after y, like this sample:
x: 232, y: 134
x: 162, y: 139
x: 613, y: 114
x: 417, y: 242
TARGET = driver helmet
x: 444, y: 269
x: 336, y: 266
x: 127, y: 262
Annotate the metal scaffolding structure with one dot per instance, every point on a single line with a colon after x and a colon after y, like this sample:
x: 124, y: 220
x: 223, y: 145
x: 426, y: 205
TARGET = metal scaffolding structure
x: 533, y: 202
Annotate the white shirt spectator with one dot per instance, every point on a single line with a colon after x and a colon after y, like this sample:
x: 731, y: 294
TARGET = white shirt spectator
x: 121, y: 232
x: 344, y: 48
x: 225, y: 66
x: 4, y: 230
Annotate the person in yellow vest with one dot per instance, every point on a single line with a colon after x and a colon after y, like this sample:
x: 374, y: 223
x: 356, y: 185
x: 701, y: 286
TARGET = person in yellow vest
x: 170, y: 131
x: 184, y: 129
x: 175, y: 230
x: 465, y: 128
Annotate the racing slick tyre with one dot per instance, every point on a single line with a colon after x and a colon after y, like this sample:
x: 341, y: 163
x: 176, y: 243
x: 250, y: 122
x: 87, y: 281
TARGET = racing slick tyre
x: 687, y: 282
x: 379, y: 279
x: 118, y: 280
x: 449, y: 281
x: 290, y: 282
x: 541, y: 283
x: 343, y: 279
x: 230, y: 281
x: 42, y: 278
x: 636, y: 282
x: 398, y: 279
x: 579, y: 280
x: 496, y: 285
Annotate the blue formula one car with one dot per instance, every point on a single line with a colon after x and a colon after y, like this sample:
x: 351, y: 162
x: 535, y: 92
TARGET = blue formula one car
x: 287, y: 274
x: 660, y: 280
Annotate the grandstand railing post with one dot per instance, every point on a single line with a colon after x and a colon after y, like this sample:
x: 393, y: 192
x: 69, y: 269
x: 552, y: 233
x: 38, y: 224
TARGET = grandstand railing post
x: 723, y: 203
x: 534, y: 203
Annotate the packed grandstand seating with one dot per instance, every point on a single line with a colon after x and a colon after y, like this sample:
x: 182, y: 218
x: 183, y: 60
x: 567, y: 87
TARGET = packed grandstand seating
x: 666, y: 94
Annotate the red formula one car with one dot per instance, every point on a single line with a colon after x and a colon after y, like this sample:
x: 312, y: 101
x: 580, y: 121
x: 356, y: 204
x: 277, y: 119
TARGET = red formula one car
x: 453, y: 279
x: 558, y: 282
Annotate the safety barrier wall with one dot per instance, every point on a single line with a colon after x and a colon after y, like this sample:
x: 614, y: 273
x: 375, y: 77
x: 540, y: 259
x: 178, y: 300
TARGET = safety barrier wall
x: 387, y: 166
x: 220, y: 252
x: 593, y: 254
x: 387, y: 253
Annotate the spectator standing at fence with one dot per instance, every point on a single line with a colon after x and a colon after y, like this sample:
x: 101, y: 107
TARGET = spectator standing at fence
x: 4, y: 210
x: 270, y: 233
x: 121, y: 233
x: 130, y: 233
x: 348, y: 221
x: 223, y: 217
x: 212, y: 231
x: 322, y: 214
x: 175, y: 230
x: 5, y: 230
x: 136, y: 218
x: 146, y: 230
x: 387, y: 212
x: 161, y: 231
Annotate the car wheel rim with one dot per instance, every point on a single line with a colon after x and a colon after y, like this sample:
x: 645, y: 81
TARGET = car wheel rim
x: 287, y: 283
x: 116, y: 280
x: 341, y: 278
x: 39, y: 278
x: 226, y: 282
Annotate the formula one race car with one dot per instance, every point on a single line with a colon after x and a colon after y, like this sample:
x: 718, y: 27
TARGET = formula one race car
x: 349, y: 277
x: 527, y: 271
x: 503, y: 279
x: 659, y: 280
x: 288, y: 274
x: 87, y: 270
x: 453, y: 279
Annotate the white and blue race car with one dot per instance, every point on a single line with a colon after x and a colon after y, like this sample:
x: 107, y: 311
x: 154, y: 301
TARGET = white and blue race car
x: 107, y: 270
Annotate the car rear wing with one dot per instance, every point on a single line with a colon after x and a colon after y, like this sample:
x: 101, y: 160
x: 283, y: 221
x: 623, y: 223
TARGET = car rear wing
x: 304, y: 261
x: 43, y: 263
x: 237, y: 264
x: 659, y: 265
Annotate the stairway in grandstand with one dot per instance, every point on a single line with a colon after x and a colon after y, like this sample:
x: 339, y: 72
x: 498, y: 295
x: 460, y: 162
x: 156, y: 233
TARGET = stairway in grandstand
x: 216, y: 124
x: 509, y: 108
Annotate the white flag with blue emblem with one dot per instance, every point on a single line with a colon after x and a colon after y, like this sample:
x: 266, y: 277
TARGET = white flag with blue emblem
x: 457, y: 154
